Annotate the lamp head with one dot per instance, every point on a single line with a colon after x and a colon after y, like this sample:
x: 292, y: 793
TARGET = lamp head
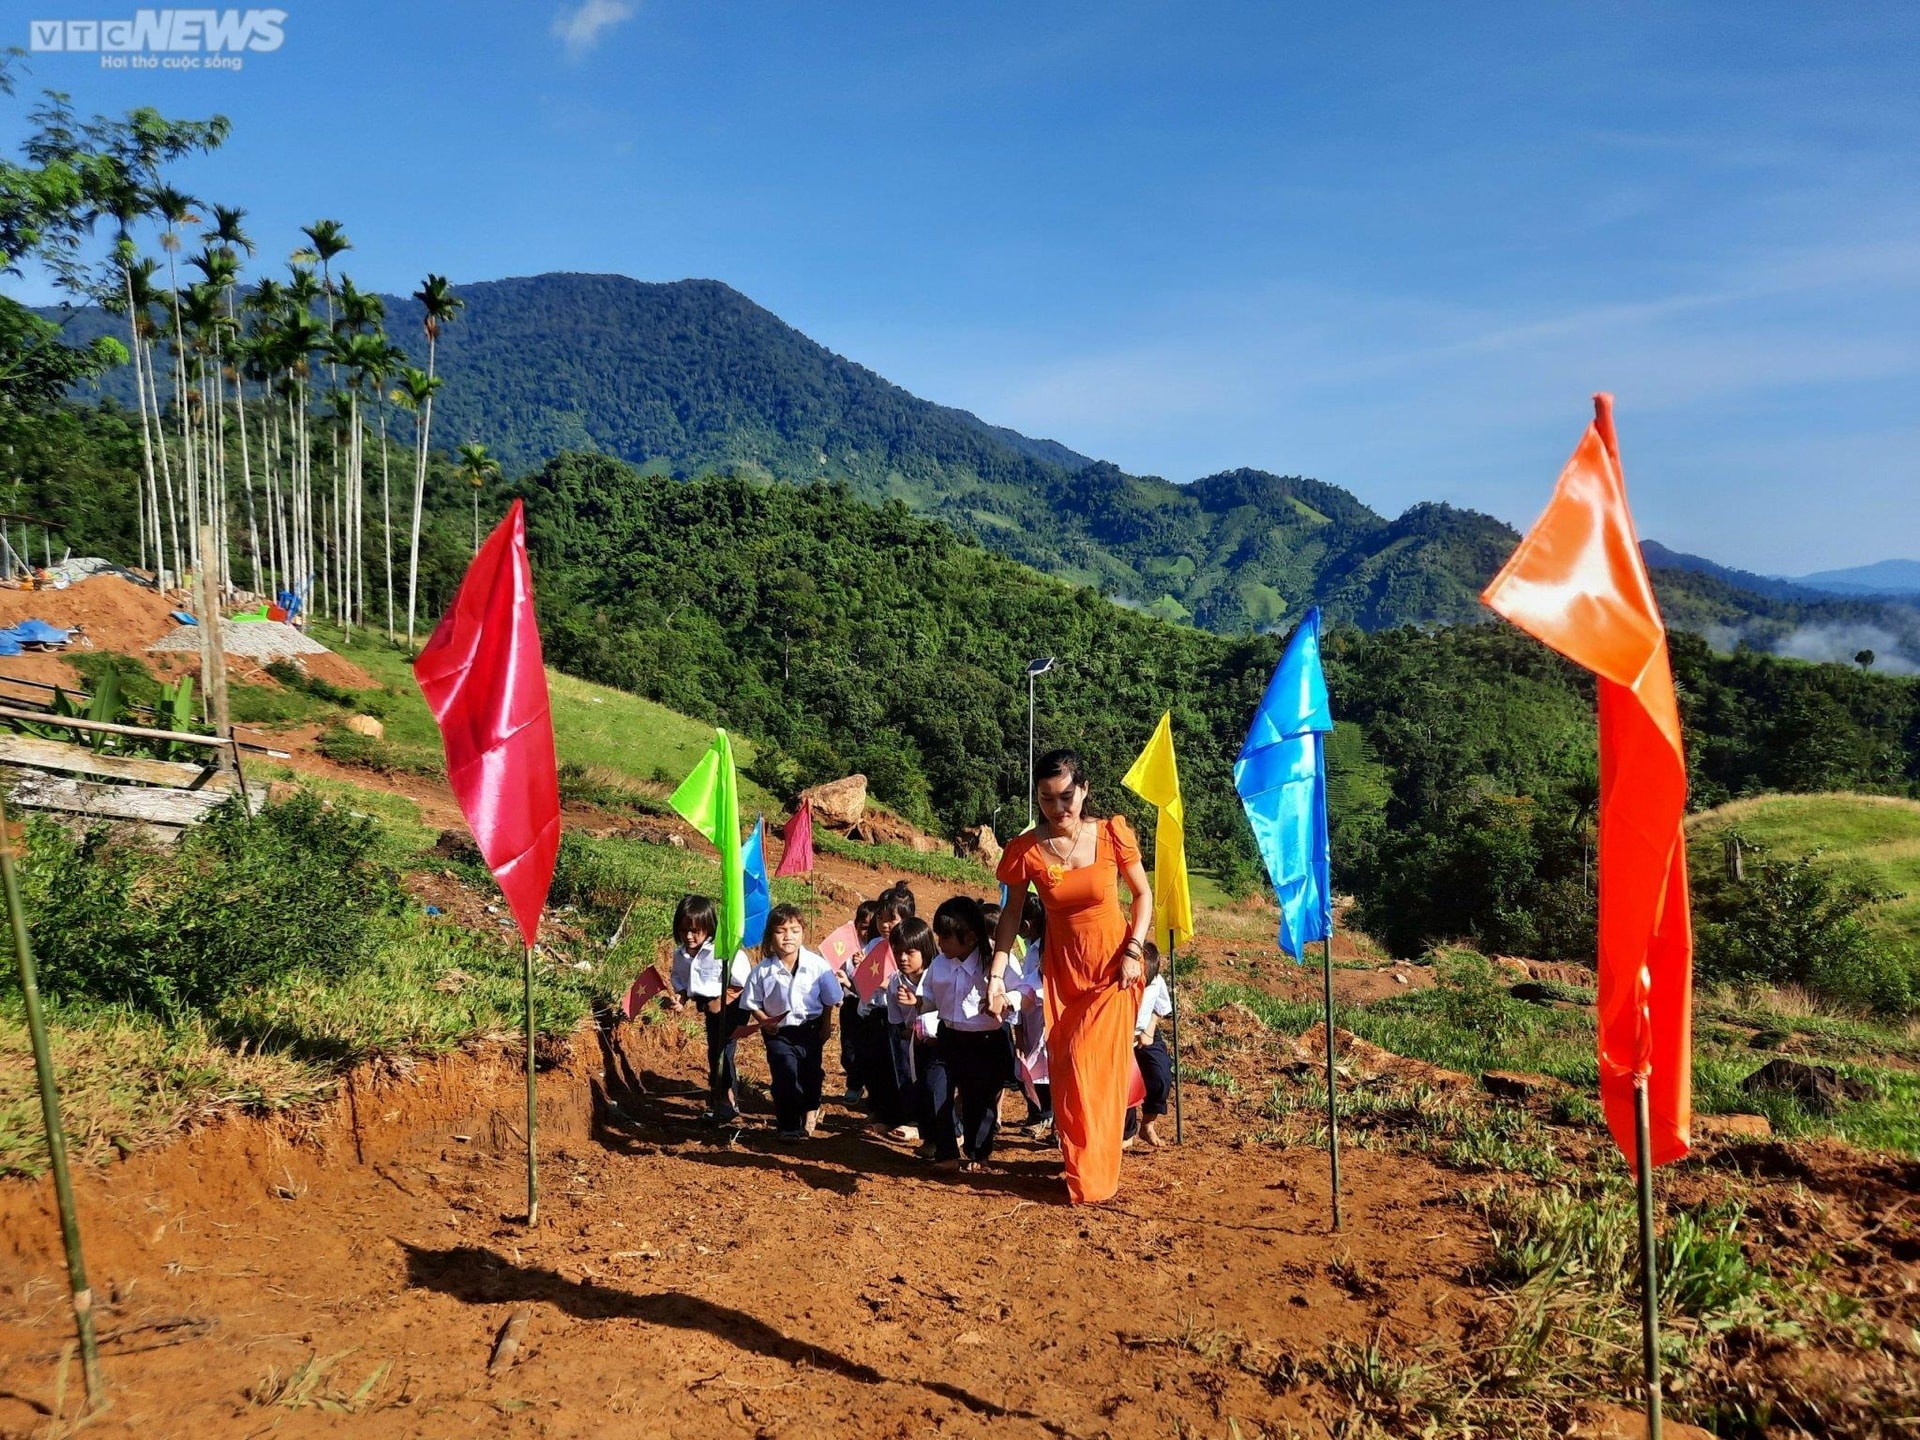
x: 1039, y: 667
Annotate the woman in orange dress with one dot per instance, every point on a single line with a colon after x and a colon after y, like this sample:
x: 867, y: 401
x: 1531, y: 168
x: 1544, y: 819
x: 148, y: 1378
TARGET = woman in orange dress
x: 1093, y: 964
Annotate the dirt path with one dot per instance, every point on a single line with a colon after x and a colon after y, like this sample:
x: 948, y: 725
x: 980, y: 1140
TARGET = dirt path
x: 682, y: 1283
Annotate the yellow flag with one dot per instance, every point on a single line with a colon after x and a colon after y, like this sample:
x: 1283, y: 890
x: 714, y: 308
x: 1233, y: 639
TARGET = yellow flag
x: 1156, y: 779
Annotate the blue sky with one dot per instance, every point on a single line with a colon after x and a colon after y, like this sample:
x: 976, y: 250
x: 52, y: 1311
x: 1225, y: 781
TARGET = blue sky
x: 1393, y: 247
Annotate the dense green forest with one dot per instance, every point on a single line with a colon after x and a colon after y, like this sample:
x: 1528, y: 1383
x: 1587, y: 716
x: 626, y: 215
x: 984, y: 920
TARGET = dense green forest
x: 846, y: 636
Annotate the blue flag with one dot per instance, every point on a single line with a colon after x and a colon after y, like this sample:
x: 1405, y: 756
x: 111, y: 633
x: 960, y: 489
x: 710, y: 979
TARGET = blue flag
x: 1282, y: 779
x: 758, y: 893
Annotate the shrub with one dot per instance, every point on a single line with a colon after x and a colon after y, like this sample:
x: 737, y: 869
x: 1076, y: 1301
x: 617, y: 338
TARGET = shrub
x: 241, y: 898
x: 1795, y: 922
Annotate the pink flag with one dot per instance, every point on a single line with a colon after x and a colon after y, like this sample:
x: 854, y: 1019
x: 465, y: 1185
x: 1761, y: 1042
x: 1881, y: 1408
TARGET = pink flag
x: 873, y: 972
x: 841, y: 946
x: 645, y: 987
x: 481, y: 676
x: 796, y: 853
x: 745, y: 1030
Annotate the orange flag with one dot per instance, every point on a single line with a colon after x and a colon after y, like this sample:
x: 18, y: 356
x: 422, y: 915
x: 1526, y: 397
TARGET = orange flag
x: 1578, y: 584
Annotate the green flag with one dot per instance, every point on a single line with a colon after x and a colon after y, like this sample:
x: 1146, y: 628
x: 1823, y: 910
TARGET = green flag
x: 709, y: 800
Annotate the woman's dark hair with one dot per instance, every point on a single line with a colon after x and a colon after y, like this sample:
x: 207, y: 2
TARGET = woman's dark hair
x: 913, y: 934
x: 776, y: 917
x: 903, y: 900
x: 694, y: 912
x: 1054, y: 764
x: 863, y: 917
x: 990, y: 912
x: 962, y: 913
x: 1150, y: 955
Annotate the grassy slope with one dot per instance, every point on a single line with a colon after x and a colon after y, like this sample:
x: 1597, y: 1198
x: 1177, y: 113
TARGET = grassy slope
x: 593, y: 725
x: 1871, y: 838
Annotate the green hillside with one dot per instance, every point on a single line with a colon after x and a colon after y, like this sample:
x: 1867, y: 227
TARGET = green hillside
x: 1872, y: 839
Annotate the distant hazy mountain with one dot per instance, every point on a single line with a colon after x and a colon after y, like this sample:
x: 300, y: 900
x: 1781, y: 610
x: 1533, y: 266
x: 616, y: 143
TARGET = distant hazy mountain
x: 1659, y: 556
x: 1886, y: 577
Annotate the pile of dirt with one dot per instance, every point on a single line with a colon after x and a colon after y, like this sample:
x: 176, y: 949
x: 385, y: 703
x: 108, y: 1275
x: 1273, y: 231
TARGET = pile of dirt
x: 110, y: 613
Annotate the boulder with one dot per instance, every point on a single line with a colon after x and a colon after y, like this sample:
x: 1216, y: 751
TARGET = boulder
x: 839, y: 802
x: 978, y: 842
x: 1821, y: 1088
x: 368, y: 726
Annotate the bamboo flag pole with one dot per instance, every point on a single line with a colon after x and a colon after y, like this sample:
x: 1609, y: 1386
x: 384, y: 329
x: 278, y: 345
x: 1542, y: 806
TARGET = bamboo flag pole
x: 1649, y: 1266
x: 1333, y: 1113
x: 50, y: 1115
x: 533, y: 1182
x: 1173, y: 1005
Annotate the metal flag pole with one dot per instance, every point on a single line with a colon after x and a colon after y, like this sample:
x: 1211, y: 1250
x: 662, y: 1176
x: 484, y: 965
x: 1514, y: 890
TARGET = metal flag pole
x: 533, y: 1184
x: 1173, y: 1006
x: 1333, y: 1114
x: 50, y: 1114
x: 1649, y: 1266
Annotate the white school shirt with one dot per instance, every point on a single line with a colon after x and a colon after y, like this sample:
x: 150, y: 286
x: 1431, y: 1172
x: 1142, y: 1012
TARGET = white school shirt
x: 1025, y: 988
x: 680, y: 972
x: 703, y: 973
x: 958, y: 992
x: 898, y: 1014
x: 1155, y: 1001
x: 793, y: 999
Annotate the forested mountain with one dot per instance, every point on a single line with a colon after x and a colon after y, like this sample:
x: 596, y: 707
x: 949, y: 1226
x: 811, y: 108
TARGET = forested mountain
x: 692, y: 378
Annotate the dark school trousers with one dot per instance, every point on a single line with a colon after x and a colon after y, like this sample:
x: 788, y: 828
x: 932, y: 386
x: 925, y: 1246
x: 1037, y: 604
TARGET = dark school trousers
x: 850, y: 1043
x: 795, y: 1055
x: 1156, y: 1069
x: 722, y: 1074
x: 895, y: 1090
x: 968, y: 1071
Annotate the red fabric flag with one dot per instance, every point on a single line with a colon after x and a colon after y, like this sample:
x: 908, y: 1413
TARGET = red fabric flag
x: 1578, y: 584
x: 873, y: 972
x: 1136, y: 1086
x: 796, y: 843
x: 482, y: 677
x: 840, y: 947
x: 646, y: 985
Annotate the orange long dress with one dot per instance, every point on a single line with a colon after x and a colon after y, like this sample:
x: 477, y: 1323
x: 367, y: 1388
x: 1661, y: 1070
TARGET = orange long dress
x: 1089, y: 1015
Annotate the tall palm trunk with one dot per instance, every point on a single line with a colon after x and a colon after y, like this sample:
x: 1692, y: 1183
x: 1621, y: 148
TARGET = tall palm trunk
x: 422, y: 440
x: 386, y: 513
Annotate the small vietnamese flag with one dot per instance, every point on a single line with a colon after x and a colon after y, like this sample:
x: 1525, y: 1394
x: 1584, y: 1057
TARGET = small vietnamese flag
x: 646, y: 985
x: 1579, y: 585
x: 872, y: 973
x: 482, y: 678
x: 840, y: 947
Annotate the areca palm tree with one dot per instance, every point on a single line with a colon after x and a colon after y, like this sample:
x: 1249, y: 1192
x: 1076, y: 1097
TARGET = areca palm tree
x: 175, y: 208
x: 479, y: 467
x: 229, y: 237
x: 438, y: 306
x: 415, y: 393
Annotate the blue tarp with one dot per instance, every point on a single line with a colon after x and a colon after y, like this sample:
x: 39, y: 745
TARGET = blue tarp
x: 8, y: 645
x: 38, y: 632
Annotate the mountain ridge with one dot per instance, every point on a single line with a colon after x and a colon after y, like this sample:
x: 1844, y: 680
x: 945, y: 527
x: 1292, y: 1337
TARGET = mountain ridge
x: 692, y: 377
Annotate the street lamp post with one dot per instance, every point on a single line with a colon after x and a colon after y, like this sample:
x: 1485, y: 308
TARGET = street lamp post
x: 1035, y: 669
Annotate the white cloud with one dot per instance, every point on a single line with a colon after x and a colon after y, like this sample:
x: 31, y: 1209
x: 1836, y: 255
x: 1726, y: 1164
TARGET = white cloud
x: 581, y: 26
